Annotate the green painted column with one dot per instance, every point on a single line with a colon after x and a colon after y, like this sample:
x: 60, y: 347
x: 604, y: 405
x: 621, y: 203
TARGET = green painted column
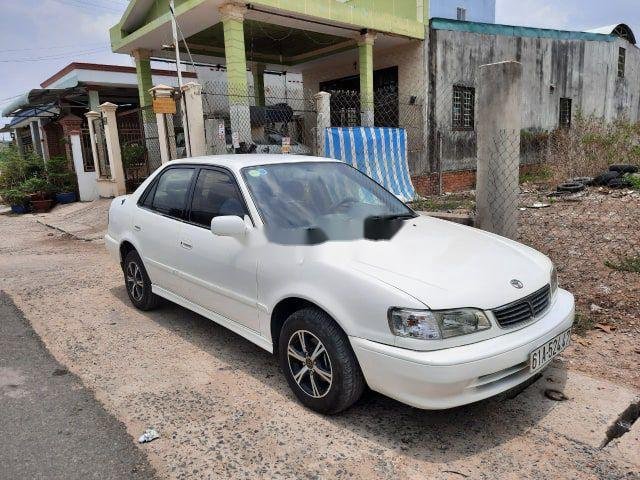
x: 365, y: 51
x: 258, y: 83
x: 143, y: 74
x: 234, y: 51
x: 94, y: 99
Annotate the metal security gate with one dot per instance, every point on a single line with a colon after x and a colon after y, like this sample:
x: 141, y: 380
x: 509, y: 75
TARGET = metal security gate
x: 139, y: 145
x: 104, y: 170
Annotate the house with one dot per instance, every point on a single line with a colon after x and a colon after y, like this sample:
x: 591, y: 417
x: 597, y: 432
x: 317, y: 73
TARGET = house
x: 38, y: 116
x: 564, y: 74
x: 384, y: 64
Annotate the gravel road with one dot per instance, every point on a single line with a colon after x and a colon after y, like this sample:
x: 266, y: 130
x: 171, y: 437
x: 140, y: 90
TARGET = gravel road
x: 223, y: 409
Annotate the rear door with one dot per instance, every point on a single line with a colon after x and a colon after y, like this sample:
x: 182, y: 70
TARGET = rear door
x: 158, y: 221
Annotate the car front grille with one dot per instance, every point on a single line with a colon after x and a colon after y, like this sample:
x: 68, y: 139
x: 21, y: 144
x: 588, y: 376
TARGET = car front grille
x: 525, y: 309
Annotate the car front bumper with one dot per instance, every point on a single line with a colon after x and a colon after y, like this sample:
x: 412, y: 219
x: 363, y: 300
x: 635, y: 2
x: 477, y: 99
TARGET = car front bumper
x: 460, y: 375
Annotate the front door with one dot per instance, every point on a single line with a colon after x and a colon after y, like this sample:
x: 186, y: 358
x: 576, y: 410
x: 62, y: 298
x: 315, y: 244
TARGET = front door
x: 219, y: 272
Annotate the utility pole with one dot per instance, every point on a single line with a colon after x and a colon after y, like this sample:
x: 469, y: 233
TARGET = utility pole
x: 176, y: 43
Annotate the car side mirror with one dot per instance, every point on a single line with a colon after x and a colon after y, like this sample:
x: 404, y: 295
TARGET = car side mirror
x: 228, y: 226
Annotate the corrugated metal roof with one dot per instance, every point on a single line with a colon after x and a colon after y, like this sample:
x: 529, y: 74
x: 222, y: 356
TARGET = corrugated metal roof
x: 515, y: 31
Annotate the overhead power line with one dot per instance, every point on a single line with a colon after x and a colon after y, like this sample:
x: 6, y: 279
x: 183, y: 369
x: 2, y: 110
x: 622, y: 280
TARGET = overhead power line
x: 56, y: 57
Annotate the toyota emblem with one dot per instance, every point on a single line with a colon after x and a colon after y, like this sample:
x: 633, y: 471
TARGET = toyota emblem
x: 516, y: 283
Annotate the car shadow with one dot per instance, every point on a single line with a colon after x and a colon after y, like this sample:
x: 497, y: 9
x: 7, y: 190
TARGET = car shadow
x: 434, y: 436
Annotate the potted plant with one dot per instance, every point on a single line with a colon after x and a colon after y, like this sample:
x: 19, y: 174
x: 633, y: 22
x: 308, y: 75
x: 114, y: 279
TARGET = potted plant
x: 39, y: 191
x: 62, y: 179
x: 17, y: 199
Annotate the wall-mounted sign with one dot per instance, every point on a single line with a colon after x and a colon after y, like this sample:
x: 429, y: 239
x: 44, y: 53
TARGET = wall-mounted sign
x: 166, y: 105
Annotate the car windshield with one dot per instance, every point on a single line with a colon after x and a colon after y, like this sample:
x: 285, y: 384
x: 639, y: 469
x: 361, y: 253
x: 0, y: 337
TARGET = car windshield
x: 322, y: 195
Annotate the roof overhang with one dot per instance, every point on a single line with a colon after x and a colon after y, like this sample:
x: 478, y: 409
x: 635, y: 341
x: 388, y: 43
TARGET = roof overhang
x: 137, y: 31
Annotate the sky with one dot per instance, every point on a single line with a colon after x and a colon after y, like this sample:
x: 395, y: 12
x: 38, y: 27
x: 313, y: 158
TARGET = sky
x: 39, y: 37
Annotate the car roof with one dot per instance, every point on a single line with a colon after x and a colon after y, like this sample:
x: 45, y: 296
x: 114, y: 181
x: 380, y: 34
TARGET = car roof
x: 239, y: 161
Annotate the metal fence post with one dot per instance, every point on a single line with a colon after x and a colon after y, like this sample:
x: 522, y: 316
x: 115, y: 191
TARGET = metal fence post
x: 113, y: 147
x: 323, y: 120
x: 499, y: 124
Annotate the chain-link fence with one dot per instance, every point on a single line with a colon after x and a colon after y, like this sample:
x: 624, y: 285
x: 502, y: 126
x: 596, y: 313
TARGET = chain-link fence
x: 569, y: 205
x: 390, y: 109
x: 269, y: 120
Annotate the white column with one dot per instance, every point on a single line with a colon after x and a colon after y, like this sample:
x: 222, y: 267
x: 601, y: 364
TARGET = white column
x: 323, y: 120
x: 195, y: 118
x: 498, y: 128
x: 18, y: 140
x: 35, y: 138
x: 43, y: 141
x: 113, y: 146
x: 163, y: 91
x: 86, y: 180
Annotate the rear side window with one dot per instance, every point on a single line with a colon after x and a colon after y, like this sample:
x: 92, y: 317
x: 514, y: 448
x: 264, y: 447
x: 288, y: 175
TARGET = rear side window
x: 216, y: 193
x: 169, y: 196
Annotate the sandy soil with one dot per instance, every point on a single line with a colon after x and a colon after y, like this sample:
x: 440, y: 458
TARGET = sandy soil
x: 224, y: 410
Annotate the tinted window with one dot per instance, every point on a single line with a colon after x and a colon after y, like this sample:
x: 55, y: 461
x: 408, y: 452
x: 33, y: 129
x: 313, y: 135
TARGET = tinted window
x: 215, y: 194
x: 170, y: 197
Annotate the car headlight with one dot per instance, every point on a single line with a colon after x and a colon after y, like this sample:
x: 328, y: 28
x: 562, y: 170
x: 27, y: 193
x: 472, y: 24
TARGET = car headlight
x: 435, y: 325
x: 554, y: 281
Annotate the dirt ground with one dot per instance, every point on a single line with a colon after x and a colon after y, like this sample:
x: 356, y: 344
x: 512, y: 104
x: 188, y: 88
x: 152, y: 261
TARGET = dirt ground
x: 581, y: 233
x: 223, y: 409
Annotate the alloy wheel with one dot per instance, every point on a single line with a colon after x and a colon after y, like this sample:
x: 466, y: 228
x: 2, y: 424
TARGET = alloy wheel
x: 135, y: 282
x: 309, y: 363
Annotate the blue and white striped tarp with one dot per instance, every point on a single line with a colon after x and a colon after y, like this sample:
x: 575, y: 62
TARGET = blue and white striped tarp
x: 379, y: 152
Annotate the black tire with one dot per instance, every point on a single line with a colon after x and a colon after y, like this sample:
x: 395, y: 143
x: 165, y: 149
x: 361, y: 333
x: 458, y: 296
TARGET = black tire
x: 619, y: 183
x: 347, y: 382
x: 605, y: 178
x: 624, y: 168
x: 572, y: 187
x: 140, y: 294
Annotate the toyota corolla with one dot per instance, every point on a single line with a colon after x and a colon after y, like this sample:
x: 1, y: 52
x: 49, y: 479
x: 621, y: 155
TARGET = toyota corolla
x: 315, y: 262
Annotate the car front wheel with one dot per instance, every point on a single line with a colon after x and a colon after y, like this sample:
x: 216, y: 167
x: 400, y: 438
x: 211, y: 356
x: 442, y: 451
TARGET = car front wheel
x: 318, y: 362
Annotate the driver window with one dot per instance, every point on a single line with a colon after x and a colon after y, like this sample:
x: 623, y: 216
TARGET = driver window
x: 216, y: 194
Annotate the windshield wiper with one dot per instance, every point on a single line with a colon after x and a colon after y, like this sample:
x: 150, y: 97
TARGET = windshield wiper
x: 394, y: 216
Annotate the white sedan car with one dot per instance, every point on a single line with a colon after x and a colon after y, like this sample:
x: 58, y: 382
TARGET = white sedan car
x: 315, y: 262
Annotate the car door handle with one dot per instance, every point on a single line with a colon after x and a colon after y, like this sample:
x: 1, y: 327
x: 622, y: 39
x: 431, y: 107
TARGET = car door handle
x: 185, y: 245
x: 137, y: 228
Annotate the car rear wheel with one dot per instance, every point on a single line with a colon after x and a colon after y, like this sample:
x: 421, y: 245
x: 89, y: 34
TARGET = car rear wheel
x: 318, y: 362
x: 138, y: 283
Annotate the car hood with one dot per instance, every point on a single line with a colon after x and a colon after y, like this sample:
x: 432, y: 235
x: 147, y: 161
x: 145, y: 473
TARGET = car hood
x: 446, y: 265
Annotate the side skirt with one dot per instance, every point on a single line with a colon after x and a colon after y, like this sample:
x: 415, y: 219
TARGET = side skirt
x: 235, y: 327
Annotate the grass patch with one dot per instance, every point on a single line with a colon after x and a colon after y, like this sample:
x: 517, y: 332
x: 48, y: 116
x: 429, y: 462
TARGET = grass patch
x: 625, y: 264
x: 442, y: 203
x: 634, y: 180
x: 539, y: 175
x: 582, y: 324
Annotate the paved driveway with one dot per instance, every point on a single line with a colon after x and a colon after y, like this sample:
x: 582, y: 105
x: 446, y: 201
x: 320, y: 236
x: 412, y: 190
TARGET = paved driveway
x: 224, y: 410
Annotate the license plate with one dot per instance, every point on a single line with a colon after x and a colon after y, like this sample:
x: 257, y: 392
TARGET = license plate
x: 542, y: 355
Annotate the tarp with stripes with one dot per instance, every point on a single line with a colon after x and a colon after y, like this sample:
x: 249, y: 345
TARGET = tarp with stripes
x: 379, y: 152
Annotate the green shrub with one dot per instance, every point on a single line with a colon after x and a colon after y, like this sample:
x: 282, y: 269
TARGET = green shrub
x: 634, y: 179
x: 37, y: 186
x: 14, y: 196
x: 133, y: 155
x: 61, y: 177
